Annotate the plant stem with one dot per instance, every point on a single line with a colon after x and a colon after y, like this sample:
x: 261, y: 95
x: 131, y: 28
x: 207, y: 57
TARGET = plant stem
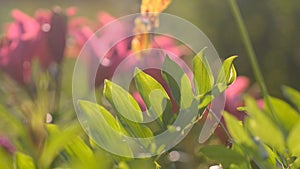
x: 251, y: 53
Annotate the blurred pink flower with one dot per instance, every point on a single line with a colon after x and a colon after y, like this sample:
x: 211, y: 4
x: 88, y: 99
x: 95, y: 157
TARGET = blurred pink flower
x: 43, y: 36
x: 6, y: 144
x: 18, y: 46
x: 52, y: 36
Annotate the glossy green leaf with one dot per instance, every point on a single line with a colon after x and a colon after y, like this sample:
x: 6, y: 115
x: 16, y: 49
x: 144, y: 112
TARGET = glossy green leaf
x: 286, y: 115
x: 56, y: 142
x: 262, y: 126
x: 223, y: 155
x: 227, y: 73
x: 146, y: 84
x: 153, y: 94
x: 203, y: 76
x: 293, y: 95
x: 186, y: 90
x: 124, y: 103
x: 23, y: 161
x: 131, y: 114
x: 103, y: 127
x: 294, y: 140
x: 236, y: 130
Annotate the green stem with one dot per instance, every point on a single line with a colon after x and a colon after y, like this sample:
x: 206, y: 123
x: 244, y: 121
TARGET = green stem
x: 252, y: 56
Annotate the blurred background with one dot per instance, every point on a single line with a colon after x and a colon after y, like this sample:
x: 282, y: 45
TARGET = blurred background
x: 274, y: 27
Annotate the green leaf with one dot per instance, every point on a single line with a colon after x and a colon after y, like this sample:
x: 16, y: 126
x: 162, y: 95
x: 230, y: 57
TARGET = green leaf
x: 227, y: 74
x: 223, y: 155
x: 262, y: 126
x: 294, y: 140
x: 104, y: 128
x: 56, y: 142
x: 124, y: 103
x: 186, y: 90
x: 23, y: 161
x: 236, y: 130
x: 127, y: 109
x: 203, y: 76
x: 179, y: 83
x: 153, y: 94
x: 146, y: 84
x: 293, y: 95
x: 173, y: 80
x: 286, y: 115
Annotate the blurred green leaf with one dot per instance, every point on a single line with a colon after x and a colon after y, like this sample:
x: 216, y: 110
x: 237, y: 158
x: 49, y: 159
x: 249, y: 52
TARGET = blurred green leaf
x: 293, y: 95
x: 23, y: 161
x: 262, y: 126
x: 6, y: 159
x: 286, y: 115
x: 227, y: 74
x: 223, y: 155
x: 236, y: 130
x: 294, y: 140
x: 104, y: 127
x: 81, y: 156
x: 203, y: 76
x: 56, y: 142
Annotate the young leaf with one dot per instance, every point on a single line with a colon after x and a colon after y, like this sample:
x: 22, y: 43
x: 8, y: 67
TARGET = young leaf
x: 186, y: 90
x: 293, y: 95
x: 127, y: 109
x: 23, y: 161
x: 227, y: 74
x: 223, y: 155
x: 124, y: 103
x: 146, y: 84
x: 154, y: 95
x: 203, y: 76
